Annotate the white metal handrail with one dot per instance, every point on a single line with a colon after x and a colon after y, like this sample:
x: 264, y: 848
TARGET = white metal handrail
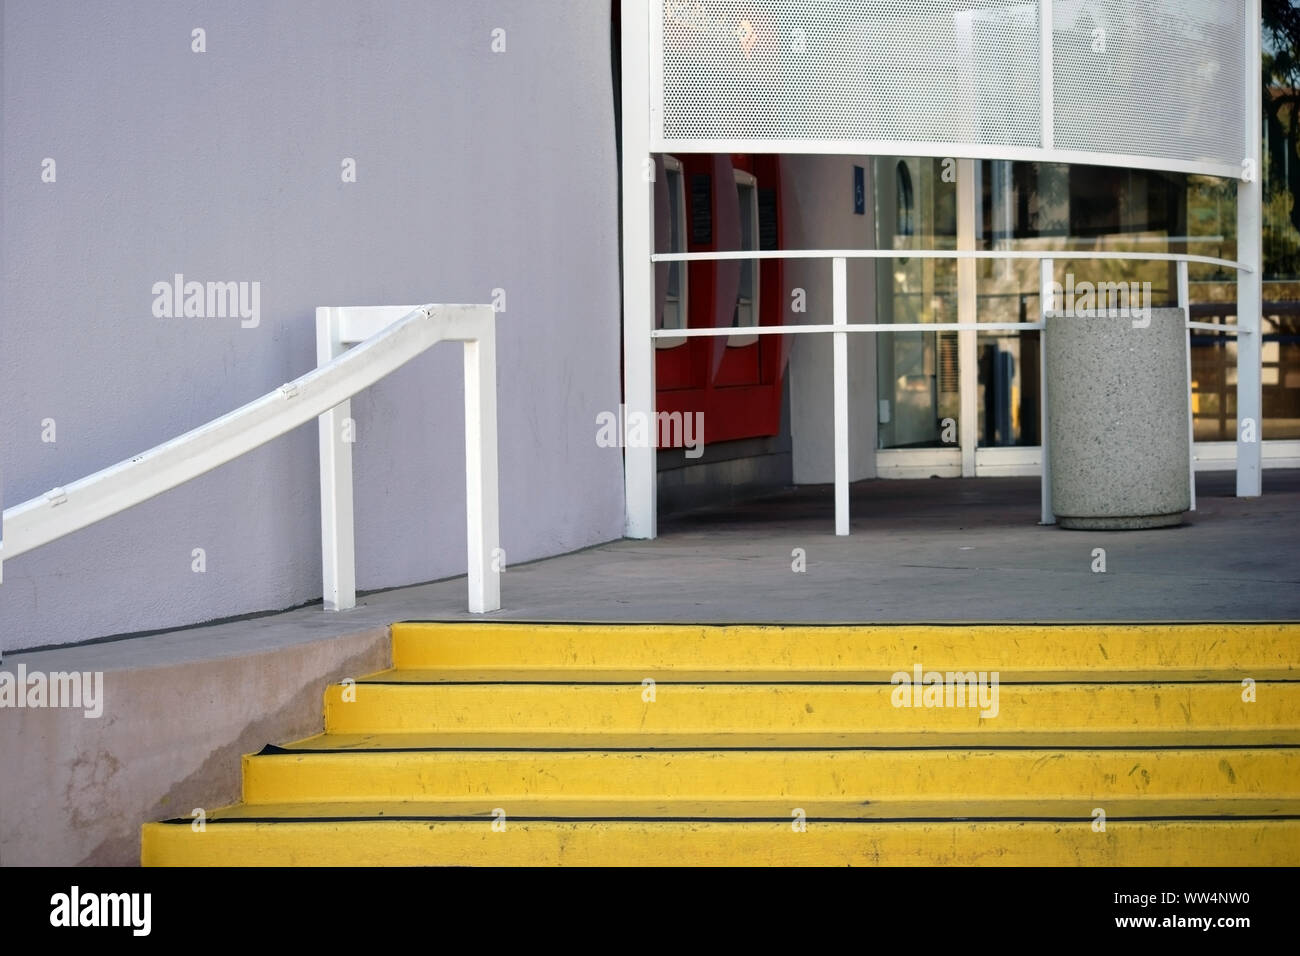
x: 1067, y: 254
x: 840, y: 327
x: 319, y: 393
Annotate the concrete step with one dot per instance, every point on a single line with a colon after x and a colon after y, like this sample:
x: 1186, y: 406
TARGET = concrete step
x: 866, y: 715
x: 876, y: 783
x: 1032, y: 653
x: 291, y: 835
x: 645, y: 744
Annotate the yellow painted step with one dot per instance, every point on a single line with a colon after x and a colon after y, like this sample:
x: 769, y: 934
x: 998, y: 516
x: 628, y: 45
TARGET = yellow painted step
x: 818, y: 809
x: 1047, y: 715
x: 652, y: 843
x: 750, y: 728
x: 885, y: 783
x: 1020, y: 652
x: 644, y: 743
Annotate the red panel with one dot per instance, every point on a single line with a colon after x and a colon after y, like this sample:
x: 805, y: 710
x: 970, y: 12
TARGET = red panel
x: 687, y: 365
x: 742, y: 398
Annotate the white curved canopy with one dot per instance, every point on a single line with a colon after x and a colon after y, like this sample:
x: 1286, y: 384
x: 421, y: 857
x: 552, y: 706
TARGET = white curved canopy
x: 1153, y: 84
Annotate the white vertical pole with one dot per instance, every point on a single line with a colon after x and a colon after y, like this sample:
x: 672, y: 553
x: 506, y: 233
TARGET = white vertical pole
x: 1047, y: 117
x: 639, y: 474
x: 1250, y: 284
x: 840, y: 354
x: 1184, y: 303
x: 1045, y: 295
x: 338, y: 548
x: 481, y: 516
x: 967, y: 341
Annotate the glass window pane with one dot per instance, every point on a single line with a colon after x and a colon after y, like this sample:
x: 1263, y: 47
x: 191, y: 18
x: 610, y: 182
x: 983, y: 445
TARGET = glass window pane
x: 917, y: 372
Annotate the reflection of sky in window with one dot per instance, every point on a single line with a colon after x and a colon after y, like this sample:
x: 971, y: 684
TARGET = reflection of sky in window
x: 674, y: 231
x: 747, y: 240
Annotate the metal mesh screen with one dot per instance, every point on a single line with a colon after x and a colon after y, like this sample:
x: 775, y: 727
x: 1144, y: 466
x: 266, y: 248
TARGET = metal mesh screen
x: 1150, y: 77
x: 959, y: 71
x: 1161, y: 79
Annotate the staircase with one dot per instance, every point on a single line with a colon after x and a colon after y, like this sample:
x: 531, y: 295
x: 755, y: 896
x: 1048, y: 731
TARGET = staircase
x: 501, y: 744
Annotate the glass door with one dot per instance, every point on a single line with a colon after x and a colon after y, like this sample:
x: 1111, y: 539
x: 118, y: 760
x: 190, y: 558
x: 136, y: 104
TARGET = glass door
x: 918, y: 373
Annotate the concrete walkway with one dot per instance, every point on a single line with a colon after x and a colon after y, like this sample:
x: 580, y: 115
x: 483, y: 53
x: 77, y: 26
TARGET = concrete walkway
x: 923, y: 550
x: 930, y: 550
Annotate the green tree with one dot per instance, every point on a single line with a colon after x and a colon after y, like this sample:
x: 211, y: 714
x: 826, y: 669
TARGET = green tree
x: 1281, y: 78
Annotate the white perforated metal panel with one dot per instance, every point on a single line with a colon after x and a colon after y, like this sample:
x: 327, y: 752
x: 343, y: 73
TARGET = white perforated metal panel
x: 1162, y: 85
x: 959, y: 71
x: 1150, y: 77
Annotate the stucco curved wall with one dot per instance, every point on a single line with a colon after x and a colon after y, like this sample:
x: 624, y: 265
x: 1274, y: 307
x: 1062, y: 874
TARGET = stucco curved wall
x: 476, y: 170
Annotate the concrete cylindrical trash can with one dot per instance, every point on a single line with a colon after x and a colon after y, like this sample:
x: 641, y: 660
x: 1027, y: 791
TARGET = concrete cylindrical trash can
x: 1117, y: 420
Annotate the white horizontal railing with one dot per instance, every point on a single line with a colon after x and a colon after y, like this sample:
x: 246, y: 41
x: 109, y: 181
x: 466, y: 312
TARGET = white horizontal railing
x: 407, y: 332
x: 840, y: 327
x: 1066, y: 254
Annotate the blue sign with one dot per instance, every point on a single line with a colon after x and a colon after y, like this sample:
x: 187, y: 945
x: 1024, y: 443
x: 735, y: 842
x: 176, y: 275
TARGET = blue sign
x: 859, y: 191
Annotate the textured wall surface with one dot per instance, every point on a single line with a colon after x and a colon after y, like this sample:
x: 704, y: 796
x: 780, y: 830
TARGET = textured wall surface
x: 819, y: 214
x: 476, y: 170
x: 1117, y: 419
x: 178, y: 711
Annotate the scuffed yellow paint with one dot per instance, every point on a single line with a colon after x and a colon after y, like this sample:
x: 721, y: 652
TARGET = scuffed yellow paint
x: 514, y: 744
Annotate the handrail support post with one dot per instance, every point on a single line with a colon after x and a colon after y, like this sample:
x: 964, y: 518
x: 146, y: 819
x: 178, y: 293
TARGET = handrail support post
x: 1185, y: 303
x: 1046, y: 296
x: 486, y: 559
x: 338, y: 544
x: 840, y: 361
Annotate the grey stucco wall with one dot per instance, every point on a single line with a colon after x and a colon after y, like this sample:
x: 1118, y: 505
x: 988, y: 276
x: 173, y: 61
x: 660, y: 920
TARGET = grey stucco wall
x: 819, y: 214
x: 476, y: 170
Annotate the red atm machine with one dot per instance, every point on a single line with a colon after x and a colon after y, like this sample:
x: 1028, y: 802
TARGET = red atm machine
x: 714, y: 203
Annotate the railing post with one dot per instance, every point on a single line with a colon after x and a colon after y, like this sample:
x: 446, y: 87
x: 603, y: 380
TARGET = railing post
x: 338, y: 548
x: 1045, y: 302
x: 481, y: 503
x: 1184, y: 303
x: 640, y: 477
x: 967, y: 311
x: 840, y: 357
x: 1250, y: 325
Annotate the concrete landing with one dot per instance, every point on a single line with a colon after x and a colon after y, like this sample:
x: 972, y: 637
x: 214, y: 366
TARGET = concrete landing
x: 921, y: 550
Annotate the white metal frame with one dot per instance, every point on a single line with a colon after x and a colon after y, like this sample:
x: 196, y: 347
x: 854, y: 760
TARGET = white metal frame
x: 840, y: 327
x: 743, y: 177
x: 1046, y: 302
x: 1004, y: 461
x: 968, y: 340
x: 944, y: 462
x: 1250, y: 290
x: 642, y: 131
x: 678, y: 198
x: 640, y: 74
x: 840, y: 385
x: 337, y: 330
x: 1222, y: 455
x: 853, y: 147
x: 389, y: 337
x: 1045, y: 152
